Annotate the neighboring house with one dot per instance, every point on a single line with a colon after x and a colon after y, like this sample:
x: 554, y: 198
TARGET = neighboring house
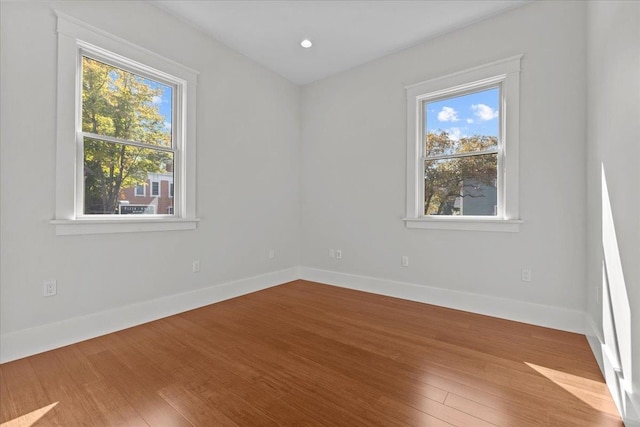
x: 476, y: 199
x: 155, y: 196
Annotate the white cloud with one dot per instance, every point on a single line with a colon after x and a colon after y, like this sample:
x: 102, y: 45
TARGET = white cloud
x: 484, y: 112
x: 454, y: 134
x: 469, y: 121
x: 157, y: 100
x: 167, y: 125
x: 448, y: 114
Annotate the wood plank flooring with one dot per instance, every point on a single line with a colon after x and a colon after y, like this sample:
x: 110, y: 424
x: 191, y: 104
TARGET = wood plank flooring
x: 306, y: 354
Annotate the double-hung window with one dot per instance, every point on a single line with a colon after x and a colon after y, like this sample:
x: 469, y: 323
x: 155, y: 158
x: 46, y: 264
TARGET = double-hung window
x: 462, y: 150
x: 126, y: 131
x: 126, y: 117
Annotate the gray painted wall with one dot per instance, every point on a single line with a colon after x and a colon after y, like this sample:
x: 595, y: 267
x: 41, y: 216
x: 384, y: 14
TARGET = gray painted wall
x: 247, y: 191
x: 353, y: 164
x: 613, y: 124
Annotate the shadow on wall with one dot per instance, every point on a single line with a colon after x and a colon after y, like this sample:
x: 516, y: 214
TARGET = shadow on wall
x: 616, y: 313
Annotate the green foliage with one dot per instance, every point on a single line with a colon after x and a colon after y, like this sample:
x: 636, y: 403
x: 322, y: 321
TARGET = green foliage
x: 119, y: 104
x: 450, y: 178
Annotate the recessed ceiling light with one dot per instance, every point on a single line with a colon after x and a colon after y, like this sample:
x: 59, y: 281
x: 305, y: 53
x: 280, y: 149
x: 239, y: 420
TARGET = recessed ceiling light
x: 306, y: 43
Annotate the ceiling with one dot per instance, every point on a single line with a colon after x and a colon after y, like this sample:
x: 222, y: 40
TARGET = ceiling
x: 345, y: 34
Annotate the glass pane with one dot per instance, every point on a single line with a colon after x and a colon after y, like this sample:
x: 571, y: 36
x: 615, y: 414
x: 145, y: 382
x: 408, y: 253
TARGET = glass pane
x: 112, y: 172
x: 123, y: 105
x: 462, y: 124
x: 461, y: 186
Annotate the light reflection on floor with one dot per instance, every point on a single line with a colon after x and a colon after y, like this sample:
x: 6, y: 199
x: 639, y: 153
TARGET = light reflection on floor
x: 29, y: 419
x: 588, y: 391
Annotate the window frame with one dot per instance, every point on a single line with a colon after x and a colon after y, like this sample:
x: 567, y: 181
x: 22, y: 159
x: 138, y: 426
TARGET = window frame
x: 135, y: 190
x: 74, y: 38
x: 127, y: 65
x: 506, y: 74
x: 158, y: 194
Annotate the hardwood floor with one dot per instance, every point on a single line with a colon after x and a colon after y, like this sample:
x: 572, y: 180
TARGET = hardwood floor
x: 305, y: 354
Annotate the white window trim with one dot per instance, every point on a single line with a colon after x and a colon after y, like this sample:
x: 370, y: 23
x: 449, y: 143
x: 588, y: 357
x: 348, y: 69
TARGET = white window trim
x: 73, y: 35
x: 506, y: 71
x: 144, y: 190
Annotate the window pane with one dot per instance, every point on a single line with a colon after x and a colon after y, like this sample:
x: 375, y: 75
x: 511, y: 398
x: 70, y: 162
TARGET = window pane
x: 462, y: 124
x: 461, y: 186
x: 112, y: 171
x: 123, y: 105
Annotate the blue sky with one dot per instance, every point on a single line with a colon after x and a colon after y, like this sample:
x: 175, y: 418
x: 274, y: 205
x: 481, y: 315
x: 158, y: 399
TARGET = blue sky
x: 467, y: 115
x: 163, y: 102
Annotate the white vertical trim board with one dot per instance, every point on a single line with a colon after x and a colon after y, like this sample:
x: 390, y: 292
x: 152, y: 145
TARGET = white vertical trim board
x: 519, y: 311
x: 627, y: 400
x: 26, y: 342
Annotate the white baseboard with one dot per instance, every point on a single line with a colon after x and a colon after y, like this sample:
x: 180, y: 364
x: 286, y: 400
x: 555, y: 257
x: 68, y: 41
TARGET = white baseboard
x: 520, y: 311
x: 26, y: 342
x: 628, y: 403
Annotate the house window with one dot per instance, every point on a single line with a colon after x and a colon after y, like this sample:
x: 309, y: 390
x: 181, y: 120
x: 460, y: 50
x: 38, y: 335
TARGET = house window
x: 139, y: 190
x: 124, y: 114
x: 462, y: 150
x: 171, y: 189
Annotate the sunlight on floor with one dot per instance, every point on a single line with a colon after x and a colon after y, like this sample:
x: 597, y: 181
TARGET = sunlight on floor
x: 29, y: 419
x: 593, y: 393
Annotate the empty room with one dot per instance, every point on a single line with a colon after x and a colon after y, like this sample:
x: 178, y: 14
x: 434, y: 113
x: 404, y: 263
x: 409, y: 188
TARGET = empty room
x: 320, y: 213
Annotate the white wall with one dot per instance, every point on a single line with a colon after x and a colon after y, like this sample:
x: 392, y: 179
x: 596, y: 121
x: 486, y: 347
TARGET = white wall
x: 614, y: 237
x: 354, y: 161
x: 247, y: 145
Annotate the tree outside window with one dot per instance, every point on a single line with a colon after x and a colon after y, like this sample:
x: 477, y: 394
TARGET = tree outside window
x: 126, y: 124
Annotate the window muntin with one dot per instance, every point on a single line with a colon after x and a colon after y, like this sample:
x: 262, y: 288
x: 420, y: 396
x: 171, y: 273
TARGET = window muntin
x: 126, y: 134
x: 460, y: 160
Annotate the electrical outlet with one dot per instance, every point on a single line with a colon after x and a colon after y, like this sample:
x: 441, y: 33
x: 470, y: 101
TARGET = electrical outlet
x: 332, y: 253
x: 50, y: 288
x: 196, y: 266
x: 338, y: 254
x: 405, y: 261
x: 272, y: 253
x: 526, y: 275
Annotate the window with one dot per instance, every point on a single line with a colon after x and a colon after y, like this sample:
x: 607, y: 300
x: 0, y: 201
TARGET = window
x: 462, y: 150
x: 139, y: 190
x: 460, y: 162
x: 124, y: 115
x: 171, y: 189
x: 126, y: 130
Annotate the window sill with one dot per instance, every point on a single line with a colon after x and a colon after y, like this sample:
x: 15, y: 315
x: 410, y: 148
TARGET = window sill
x: 466, y: 224
x: 66, y: 227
